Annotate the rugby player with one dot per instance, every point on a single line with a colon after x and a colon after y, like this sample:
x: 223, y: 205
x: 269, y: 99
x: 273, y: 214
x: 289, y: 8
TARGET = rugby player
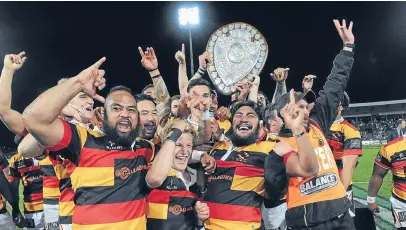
x: 20, y: 167
x: 345, y: 142
x: 237, y: 184
x: 6, y: 221
x: 173, y: 201
x: 107, y: 171
x: 392, y: 157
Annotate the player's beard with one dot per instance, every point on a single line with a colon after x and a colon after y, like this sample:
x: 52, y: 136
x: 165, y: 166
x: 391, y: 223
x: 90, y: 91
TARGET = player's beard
x: 244, y: 140
x: 125, y: 139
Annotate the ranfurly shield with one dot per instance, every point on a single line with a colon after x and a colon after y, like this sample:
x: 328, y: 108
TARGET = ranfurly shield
x: 238, y: 50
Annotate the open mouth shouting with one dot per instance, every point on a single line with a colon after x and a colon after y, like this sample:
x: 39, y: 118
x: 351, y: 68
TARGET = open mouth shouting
x: 150, y: 128
x: 124, y: 126
x: 244, y: 128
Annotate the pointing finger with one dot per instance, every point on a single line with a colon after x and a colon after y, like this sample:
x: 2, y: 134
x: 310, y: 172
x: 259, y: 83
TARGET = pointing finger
x: 21, y: 54
x: 183, y: 48
x: 292, y: 96
x: 141, y: 52
x: 99, y: 63
x: 99, y: 98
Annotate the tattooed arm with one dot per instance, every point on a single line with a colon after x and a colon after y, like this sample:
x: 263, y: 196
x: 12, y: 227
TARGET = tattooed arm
x: 161, y: 92
x: 279, y: 90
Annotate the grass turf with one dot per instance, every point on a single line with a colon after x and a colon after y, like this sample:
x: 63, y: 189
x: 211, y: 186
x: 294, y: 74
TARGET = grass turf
x: 363, y: 172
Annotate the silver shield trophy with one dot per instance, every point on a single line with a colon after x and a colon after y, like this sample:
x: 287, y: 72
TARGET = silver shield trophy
x: 238, y: 50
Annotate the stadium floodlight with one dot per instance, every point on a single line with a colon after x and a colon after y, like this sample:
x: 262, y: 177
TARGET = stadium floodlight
x: 189, y: 17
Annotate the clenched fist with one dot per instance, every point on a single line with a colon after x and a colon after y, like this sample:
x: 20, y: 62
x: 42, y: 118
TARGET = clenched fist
x: 14, y: 62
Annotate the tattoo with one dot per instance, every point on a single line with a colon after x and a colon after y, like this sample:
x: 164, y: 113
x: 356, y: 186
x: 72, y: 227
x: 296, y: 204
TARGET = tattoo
x: 164, y: 112
x: 161, y: 92
x: 279, y: 91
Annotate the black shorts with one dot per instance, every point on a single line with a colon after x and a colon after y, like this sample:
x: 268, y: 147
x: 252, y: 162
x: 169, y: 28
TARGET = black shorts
x: 343, y: 222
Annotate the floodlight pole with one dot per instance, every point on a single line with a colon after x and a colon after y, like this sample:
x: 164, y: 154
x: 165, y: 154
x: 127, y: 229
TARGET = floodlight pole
x: 191, y: 52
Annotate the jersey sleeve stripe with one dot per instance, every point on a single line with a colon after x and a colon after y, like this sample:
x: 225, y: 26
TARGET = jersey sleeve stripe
x: 67, y: 136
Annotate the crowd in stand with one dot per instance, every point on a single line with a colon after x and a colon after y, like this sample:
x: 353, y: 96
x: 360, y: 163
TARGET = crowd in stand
x: 150, y: 160
x: 375, y: 128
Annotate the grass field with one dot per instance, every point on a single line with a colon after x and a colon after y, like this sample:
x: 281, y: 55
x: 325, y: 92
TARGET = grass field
x: 364, y: 169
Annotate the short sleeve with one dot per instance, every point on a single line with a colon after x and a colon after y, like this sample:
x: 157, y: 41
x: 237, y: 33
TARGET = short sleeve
x: 352, y: 141
x: 381, y: 159
x: 13, y: 172
x: 71, y: 144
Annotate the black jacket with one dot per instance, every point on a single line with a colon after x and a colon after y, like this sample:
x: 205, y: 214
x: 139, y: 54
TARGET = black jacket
x: 392, y: 135
x: 322, y: 115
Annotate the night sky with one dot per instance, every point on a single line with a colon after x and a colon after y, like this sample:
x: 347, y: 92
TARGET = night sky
x: 61, y: 39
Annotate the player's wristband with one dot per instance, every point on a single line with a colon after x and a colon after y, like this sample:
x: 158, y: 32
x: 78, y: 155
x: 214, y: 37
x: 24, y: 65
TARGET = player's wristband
x: 201, y: 71
x: 156, y: 76
x: 299, y: 135
x: 176, y: 133
x: 152, y: 70
x: 348, y: 45
x: 371, y: 200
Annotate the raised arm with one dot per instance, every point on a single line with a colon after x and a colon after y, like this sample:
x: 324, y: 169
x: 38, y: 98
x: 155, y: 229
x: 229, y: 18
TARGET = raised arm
x: 164, y: 159
x: 41, y: 116
x: 304, y: 164
x: 182, y: 75
x: 325, y: 109
x: 150, y: 62
x: 29, y: 147
x: 253, y: 91
x: 279, y: 75
x: 11, y: 118
x: 307, y: 83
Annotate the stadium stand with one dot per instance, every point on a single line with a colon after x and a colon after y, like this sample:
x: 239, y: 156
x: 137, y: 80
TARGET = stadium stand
x: 375, y: 119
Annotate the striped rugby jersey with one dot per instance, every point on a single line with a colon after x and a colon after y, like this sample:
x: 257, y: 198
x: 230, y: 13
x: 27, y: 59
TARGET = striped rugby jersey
x: 3, y: 165
x: 108, y: 179
x: 171, y: 206
x: 393, y: 156
x: 28, y: 170
x: 235, y: 190
x: 51, y: 191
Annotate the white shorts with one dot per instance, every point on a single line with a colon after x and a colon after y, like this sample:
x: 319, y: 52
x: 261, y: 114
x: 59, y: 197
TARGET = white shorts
x: 51, y: 215
x: 65, y: 226
x: 274, y: 218
x: 38, y: 219
x: 399, y: 212
x: 6, y: 222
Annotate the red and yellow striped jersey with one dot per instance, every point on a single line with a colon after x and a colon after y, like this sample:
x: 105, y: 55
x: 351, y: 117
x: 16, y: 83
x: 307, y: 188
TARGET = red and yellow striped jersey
x: 171, y: 206
x: 108, y: 179
x: 28, y: 170
x: 344, y: 139
x: 235, y: 190
x: 3, y: 166
x: 393, y: 156
x: 51, y: 183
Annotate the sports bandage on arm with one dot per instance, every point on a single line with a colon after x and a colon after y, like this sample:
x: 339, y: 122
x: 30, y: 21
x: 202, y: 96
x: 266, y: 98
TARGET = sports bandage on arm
x: 371, y: 199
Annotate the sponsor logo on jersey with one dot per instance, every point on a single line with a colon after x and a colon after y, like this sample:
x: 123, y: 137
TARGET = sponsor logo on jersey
x: 355, y: 144
x: 319, y: 183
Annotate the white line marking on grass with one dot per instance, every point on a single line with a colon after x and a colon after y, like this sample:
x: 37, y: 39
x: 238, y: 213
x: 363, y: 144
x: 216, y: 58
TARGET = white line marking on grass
x: 384, y: 214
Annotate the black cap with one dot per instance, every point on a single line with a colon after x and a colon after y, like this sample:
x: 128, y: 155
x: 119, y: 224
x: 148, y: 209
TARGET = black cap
x: 309, y: 97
